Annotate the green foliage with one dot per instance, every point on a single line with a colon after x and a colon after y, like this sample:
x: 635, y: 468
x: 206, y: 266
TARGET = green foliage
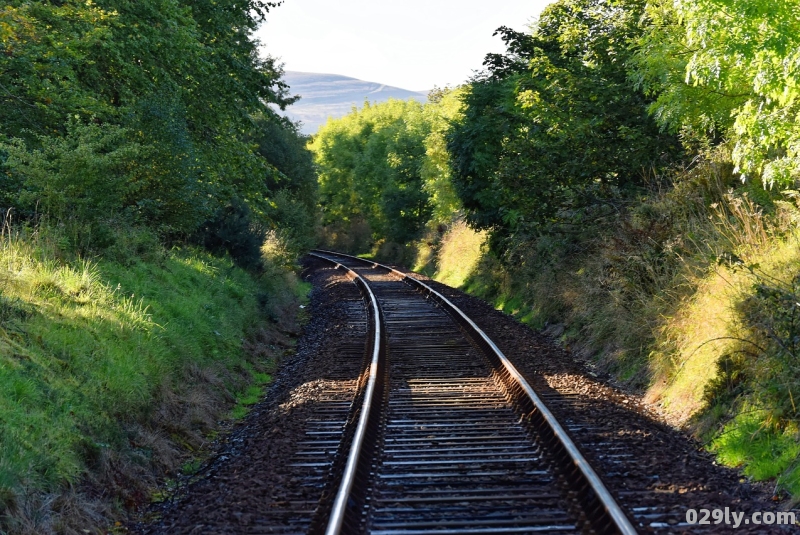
x: 764, y: 451
x: 48, y: 50
x: 233, y: 231
x: 732, y: 66
x: 84, y: 175
x: 370, y: 167
x: 773, y: 312
x: 384, y: 170
x: 554, y: 129
x: 156, y: 110
x: 168, y: 191
x: 444, y: 107
x: 294, y: 221
x: 293, y: 207
x: 283, y: 146
x: 698, y: 113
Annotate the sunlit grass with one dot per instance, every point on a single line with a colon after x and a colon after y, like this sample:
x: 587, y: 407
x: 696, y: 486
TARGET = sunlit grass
x: 695, y: 338
x: 86, y: 346
x: 762, y: 451
x: 460, y: 250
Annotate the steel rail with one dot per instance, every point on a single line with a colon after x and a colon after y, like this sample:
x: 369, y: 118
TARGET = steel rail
x: 617, y: 516
x: 348, y: 477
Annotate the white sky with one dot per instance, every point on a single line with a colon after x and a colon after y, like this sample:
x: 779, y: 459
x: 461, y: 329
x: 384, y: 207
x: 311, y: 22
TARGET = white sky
x: 412, y: 44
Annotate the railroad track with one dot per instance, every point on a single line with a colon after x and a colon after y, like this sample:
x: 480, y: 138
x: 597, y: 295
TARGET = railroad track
x: 445, y: 436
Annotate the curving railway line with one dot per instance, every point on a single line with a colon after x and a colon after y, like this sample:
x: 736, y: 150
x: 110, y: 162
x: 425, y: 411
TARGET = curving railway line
x: 397, y: 416
x: 445, y: 436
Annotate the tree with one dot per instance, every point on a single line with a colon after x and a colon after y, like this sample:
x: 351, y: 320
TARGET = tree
x: 735, y: 64
x: 180, y: 84
x: 444, y: 106
x: 554, y: 127
x: 370, y: 167
x: 46, y: 54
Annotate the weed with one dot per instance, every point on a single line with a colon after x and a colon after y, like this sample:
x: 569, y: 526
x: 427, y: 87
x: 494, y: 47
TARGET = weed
x: 764, y: 451
x: 191, y: 467
x: 239, y: 411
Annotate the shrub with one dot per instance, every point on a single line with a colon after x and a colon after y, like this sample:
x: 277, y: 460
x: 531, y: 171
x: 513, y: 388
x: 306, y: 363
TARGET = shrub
x: 84, y: 175
x: 233, y: 231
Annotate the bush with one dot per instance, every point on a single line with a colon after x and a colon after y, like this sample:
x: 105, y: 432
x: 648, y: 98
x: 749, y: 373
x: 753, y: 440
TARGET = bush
x: 85, y: 175
x: 233, y: 231
x: 294, y: 220
x: 354, y: 236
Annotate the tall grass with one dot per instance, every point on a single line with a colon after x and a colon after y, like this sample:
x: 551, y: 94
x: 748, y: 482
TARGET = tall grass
x: 100, y: 362
x: 459, y: 253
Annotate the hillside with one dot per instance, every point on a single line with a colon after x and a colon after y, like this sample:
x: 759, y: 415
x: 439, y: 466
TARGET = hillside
x: 333, y: 95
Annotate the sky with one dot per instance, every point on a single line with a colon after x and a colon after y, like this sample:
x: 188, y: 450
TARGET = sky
x: 412, y: 44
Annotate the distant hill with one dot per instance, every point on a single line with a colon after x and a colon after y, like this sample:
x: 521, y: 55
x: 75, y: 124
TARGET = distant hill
x: 333, y: 95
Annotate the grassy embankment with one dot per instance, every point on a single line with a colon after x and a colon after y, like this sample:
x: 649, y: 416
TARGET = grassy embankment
x: 113, y: 371
x: 689, y: 295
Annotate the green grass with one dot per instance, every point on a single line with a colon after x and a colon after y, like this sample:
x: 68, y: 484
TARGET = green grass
x: 251, y: 395
x: 191, y: 467
x: 89, y: 348
x: 765, y: 452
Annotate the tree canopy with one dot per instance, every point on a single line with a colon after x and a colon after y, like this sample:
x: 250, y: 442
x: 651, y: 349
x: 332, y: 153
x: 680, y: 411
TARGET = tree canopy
x: 730, y: 69
x: 166, y: 102
x: 554, y: 125
x: 386, y: 164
